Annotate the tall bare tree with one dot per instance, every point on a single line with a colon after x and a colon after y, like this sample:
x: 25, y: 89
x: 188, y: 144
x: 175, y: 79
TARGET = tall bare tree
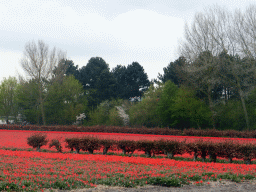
x: 38, y: 63
x: 245, y: 31
x: 216, y: 31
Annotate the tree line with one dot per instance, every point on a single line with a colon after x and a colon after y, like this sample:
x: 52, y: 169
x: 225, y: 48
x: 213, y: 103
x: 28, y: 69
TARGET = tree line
x: 218, y: 61
x: 56, y: 91
x: 211, y: 84
x: 214, y: 75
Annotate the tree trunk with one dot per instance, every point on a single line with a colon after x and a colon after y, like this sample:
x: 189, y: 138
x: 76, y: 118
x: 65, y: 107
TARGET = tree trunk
x: 213, y: 157
x: 7, y: 119
x: 247, y: 161
x: 90, y: 151
x: 41, y: 99
x: 230, y: 159
x: 105, y: 150
x: 60, y: 149
x: 241, y: 97
x: 148, y: 154
x: 203, y: 156
x: 170, y: 155
x: 130, y: 154
x: 243, y: 104
x: 195, y: 156
x: 43, y: 115
x: 42, y: 110
x: 211, y: 106
x: 77, y: 150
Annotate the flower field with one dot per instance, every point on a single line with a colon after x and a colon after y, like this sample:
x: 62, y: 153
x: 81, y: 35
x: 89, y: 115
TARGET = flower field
x: 26, y: 170
x: 18, y: 139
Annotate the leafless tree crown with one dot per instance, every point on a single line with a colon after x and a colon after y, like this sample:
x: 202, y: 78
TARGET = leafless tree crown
x: 39, y: 61
x: 217, y: 29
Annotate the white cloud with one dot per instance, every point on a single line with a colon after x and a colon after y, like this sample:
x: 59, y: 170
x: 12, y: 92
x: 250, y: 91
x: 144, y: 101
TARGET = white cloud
x: 147, y: 29
x: 136, y: 35
x: 119, y: 31
x: 9, y: 63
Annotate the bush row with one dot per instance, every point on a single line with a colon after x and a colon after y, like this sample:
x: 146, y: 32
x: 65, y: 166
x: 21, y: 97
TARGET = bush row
x: 226, y: 149
x: 140, y: 130
x: 37, y: 140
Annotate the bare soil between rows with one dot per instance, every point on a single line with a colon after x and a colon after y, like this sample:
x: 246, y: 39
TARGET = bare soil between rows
x: 223, y: 185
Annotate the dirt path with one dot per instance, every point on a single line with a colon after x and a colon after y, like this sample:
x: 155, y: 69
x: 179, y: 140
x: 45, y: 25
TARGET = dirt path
x: 225, y: 186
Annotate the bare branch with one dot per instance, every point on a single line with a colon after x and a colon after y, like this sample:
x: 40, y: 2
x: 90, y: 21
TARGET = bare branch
x: 39, y: 64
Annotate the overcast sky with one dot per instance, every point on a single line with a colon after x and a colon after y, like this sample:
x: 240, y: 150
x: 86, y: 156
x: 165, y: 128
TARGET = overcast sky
x: 119, y: 31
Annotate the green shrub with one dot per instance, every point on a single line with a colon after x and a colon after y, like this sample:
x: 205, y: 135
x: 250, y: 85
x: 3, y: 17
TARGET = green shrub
x: 165, y: 181
x: 251, y: 107
x: 145, y: 113
x: 188, y: 111
x: 107, y: 144
x: 56, y: 144
x: 114, y: 118
x: 230, y: 116
x: 73, y: 143
x: 128, y: 146
x: 173, y: 147
x: 37, y: 140
x: 104, y: 113
x: 146, y: 146
x: 89, y: 143
x: 166, y: 103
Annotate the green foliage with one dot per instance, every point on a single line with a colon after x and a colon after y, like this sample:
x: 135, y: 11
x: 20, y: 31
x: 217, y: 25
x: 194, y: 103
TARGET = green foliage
x: 121, y: 81
x: 230, y: 115
x: 105, y: 114
x: 188, y: 111
x: 8, y: 97
x: 65, y: 101
x: 119, y: 180
x: 61, y: 185
x: 114, y: 118
x: 195, y: 178
x: 5, y: 186
x: 99, y: 116
x: 251, y: 106
x: 169, y: 106
x: 131, y: 81
x: 71, y: 69
x: 27, y: 97
x: 98, y: 82
x: 174, y: 72
x: 167, y: 181
x: 136, y: 79
x: 145, y: 113
x: 166, y: 103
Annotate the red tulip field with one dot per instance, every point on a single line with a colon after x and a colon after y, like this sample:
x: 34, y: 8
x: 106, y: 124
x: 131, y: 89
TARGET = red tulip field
x: 25, y: 169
